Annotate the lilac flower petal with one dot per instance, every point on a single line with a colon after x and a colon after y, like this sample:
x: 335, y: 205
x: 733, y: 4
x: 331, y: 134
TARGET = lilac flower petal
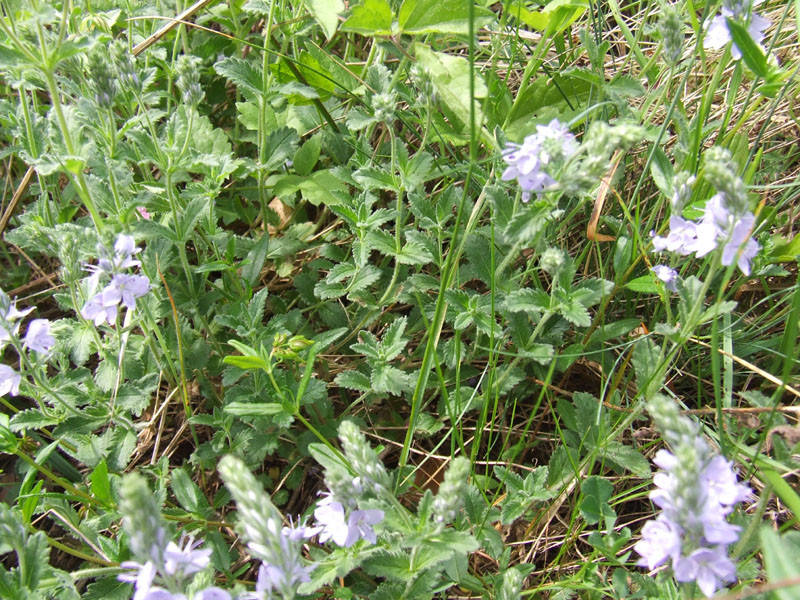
x: 9, y: 381
x: 660, y: 541
x: 212, y: 593
x: 667, y: 275
x: 38, y: 337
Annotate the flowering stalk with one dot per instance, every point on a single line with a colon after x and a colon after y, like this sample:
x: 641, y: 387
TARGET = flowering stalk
x: 696, y: 491
x: 279, y: 547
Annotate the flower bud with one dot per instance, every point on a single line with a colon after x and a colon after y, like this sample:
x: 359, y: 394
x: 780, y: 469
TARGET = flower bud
x: 188, y: 79
x: 551, y: 261
x: 721, y: 172
x: 450, y: 498
x: 141, y: 519
x: 363, y: 459
x: 672, y: 35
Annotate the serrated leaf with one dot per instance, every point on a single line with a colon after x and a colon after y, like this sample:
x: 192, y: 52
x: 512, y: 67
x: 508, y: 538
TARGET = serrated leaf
x: 187, y: 493
x: 353, y: 380
x: 100, y: 485
x: 628, y: 458
x: 245, y: 74
x: 575, y: 313
x: 255, y: 259
x: 527, y: 300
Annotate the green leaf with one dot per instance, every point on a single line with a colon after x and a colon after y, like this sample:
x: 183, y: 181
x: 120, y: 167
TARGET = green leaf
x: 326, y: 13
x: 254, y: 262
x: 100, y: 485
x: 662, y: 171
x: 646, y: 284
x: 245, y: 74
x: 440, y: 16
x: 254, y: 409
x: 575, y: 313
x: 371, y: 17
x: 780, y: 561
x: 187, y: 493
x: 353, y: 380
x: 753, y: 55
x: 596, y: 493
x: 627, y: 458
x: 305, y: 159
x: 451, y: 77
x: 527, y: 300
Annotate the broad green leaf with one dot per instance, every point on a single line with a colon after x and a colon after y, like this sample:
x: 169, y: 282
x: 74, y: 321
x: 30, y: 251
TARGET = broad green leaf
x: 305, y: 159
x: 596, y: 493
x: 440, y: 16
x: 780, y: 561
x: 100, y: 485
x: 245, y: 74
x: 371, y: 17
x: 187, y: 493
x: 326, y: 13
x: 451, y: 77
x: 662, y: 171
x: 353, y: 380
x: 646, y: 284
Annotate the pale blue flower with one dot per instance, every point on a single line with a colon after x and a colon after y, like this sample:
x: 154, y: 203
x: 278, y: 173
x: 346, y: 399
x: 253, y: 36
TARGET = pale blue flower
x: 550, y: 142
x: 740, y: 240
x: 342, y: 529
x: 9, y: 381
x: 184, y: 559
x: 709, y: 567
x: 661, y: 541
x: 38, y: 337
x: 718, y: 33
x: 667, y: 275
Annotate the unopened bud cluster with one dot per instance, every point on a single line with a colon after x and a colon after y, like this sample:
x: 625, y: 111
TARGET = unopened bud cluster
x: 450, y: 498
x: 188, y: 79
x: 102, y: 79
x: 363, y: 459
x: 673, y: 39
x: 721, y: 172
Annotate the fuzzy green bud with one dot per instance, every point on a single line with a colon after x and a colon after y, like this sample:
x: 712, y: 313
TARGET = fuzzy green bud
x: 511, y: 588
x: 363, y: 459
x: 552, y: 260
x: 125, y: 67
x: 681, y: 191
x: 670, y: 25
x: 141, y: 519
x: 384, y: 105
x: 450, y: 497
x: 344, y: 487
x: 676, y: 428
x: 721, y: 172
x: 259, y: 520
x: 102, y: 78
x: 187, y: 72
x: 423, y: 81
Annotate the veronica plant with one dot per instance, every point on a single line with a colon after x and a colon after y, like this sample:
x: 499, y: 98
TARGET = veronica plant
x: 697, y: 491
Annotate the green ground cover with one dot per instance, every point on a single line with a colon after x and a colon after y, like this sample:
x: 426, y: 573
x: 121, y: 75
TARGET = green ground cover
x: 399, y: 299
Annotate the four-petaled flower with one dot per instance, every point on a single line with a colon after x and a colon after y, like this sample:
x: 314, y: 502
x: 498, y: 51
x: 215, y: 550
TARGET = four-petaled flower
x: 38, y: 337
x: 345, y: 530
